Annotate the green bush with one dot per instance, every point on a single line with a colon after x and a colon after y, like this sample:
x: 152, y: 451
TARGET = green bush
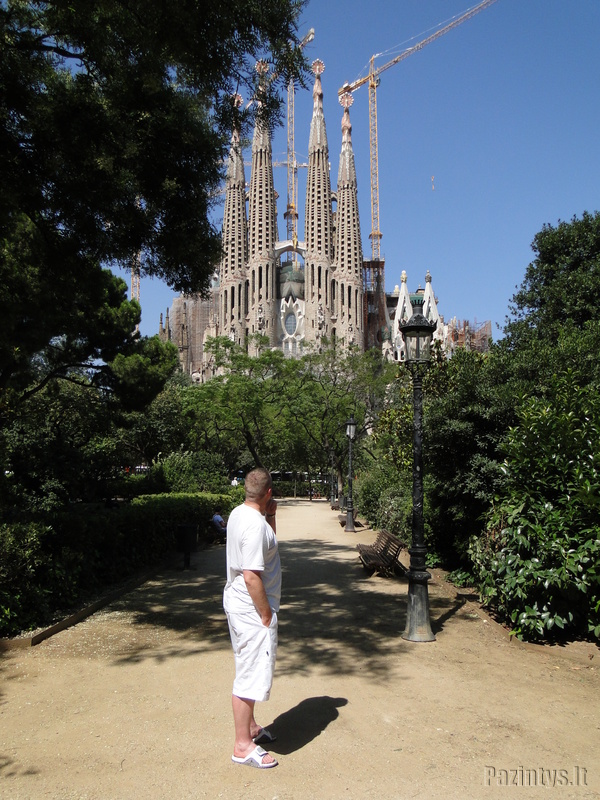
x: 384, y: 500
x: 49, y: 567
x: 539, y: 570
x: 394, y: 512
x: 23, y: 559
x: 186, y: 471
x: 537, y: 563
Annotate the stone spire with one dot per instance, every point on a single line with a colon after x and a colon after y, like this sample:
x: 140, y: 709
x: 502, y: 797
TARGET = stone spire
x: 262, y: 210
x: 430, y: 310
x: 348, y: 246
x: 262, y: 226
x: 404, y: 307
x: 318, y: 224
x: 318, y: 220
x: 348, y: 250
x: 235, y: 223
x: 235, y: 243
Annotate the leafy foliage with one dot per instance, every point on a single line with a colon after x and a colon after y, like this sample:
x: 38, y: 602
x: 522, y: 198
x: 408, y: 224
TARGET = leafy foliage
x: 289, y: 414
x: 49, y: 566
x: 463, y: 428
x: 184, y: 471
x: 384, y: 497
x: 60, y: 444
x: 537, y: 565
x: 116, y: 118
x: 57, y: 448
x: 561, y: 285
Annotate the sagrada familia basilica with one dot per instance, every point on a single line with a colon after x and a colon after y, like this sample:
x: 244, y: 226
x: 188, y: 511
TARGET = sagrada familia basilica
x: 297, y: 293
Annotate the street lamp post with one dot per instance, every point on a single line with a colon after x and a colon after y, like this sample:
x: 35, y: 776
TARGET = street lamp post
x: 417, y: 334
x: 332, y: 481
x: 350, y: 433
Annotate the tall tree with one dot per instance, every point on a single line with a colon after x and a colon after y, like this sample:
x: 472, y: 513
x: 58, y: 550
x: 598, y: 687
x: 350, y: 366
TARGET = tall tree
x: 561, y: 285
x: 236, y: 411
x: 114, y: 121
x: 328, y: 387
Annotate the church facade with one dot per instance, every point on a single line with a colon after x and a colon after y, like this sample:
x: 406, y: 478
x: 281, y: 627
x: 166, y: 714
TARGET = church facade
x: 294, y: 292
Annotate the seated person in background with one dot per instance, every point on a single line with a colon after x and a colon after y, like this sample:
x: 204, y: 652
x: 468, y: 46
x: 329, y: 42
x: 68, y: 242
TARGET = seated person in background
x: 218, y: 524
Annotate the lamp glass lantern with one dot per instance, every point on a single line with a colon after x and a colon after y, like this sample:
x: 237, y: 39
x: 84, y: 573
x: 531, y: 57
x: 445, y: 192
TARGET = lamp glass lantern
x: 351, y: 428
x: 417, y: 333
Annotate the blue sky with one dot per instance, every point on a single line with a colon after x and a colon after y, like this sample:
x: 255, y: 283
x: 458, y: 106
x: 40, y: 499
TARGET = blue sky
x: 503, y: 112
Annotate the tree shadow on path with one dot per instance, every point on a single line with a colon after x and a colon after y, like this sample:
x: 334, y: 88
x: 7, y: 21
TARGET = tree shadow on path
x: 336, y: 618
x: 333, y: 615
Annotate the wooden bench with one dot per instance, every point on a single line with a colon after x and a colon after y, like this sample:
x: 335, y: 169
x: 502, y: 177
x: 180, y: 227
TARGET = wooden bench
x: 382, y: 555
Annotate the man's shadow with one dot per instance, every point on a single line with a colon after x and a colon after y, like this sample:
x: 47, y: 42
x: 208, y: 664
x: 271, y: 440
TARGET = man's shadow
x: 303, y: 723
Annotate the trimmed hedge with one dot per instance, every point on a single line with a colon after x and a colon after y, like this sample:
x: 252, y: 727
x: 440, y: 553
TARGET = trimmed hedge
x: 51, y: 565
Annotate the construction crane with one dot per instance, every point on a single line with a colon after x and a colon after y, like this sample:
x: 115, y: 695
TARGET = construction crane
x: 136, y: 262
x: 373, y: 80
x: 291, y: 214
x: 135, y: 277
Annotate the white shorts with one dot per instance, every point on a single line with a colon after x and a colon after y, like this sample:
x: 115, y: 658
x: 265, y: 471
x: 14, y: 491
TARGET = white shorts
x: 255, y: 651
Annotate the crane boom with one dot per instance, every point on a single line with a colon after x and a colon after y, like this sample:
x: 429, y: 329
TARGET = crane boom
x: 373, y: 80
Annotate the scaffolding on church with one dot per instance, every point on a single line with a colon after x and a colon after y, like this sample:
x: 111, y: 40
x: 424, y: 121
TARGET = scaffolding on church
x: 469, y: 335
x: 375, y: 325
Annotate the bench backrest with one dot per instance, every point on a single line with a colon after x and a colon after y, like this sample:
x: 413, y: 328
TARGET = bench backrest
x: 388, y: 544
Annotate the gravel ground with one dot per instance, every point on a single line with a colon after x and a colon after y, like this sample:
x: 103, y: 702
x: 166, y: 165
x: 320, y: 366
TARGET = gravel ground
x: 134, y: 701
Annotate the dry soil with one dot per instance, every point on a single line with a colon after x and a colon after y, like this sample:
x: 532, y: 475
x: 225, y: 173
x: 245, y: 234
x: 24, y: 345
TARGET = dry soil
x: 134, y: 702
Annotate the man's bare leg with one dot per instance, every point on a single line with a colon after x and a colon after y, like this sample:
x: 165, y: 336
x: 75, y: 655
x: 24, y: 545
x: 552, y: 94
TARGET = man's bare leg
x: 245, y: 724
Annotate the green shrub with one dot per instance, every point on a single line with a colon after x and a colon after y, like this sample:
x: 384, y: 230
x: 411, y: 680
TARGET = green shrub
x: 186, y: 471
x: 235, y: 496
x: 36, y: 573
x: 384, y: 500
x: 45, y: 568
x: 368, y: 487
x: 537, y: 563
x: 539, y: 570
x: 394, y: 512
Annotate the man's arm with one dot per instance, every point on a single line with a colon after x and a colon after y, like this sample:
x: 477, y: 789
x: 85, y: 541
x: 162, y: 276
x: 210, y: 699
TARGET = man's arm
x: 256, y: 590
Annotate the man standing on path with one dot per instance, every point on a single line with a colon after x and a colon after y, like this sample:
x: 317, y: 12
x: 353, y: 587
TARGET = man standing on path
x: 251, y: 602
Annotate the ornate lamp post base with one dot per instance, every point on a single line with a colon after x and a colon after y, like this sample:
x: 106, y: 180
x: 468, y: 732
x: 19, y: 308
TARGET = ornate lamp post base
x: 418, y: 626
x: 350, y: 521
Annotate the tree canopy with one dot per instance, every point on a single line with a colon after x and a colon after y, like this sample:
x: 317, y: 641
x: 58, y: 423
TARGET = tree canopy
x: 561, y: 285
x: 116, y: 119
x: 114, y: 123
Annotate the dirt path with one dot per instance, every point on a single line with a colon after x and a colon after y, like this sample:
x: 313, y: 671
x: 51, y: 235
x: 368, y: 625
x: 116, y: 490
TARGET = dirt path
x: 134, y: 702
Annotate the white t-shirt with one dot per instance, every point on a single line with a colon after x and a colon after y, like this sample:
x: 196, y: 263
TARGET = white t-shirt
x: 251, y: 544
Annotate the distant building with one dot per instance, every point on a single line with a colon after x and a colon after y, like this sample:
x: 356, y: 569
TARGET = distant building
x: 294, y: 292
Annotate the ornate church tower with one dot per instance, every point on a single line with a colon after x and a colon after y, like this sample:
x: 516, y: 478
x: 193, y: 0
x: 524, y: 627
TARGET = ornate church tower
x: 262, y: 298
x: 233, y: 300
x: 347, y: 283
x: 318, y: 221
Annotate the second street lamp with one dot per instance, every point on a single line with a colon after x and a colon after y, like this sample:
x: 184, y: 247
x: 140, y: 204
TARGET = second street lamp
x: 350, y: 433
x: 332, y: 481
x: 417, y: 334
